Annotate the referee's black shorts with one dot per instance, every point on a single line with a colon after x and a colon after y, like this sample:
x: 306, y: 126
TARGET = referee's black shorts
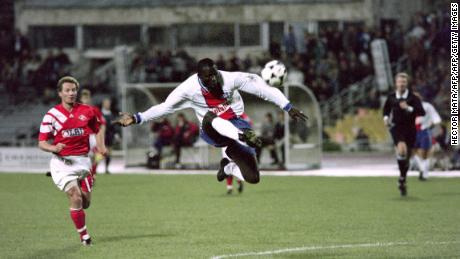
x: 406, y: 135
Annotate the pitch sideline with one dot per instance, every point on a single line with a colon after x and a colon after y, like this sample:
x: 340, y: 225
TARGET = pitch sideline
x: 311, y: 248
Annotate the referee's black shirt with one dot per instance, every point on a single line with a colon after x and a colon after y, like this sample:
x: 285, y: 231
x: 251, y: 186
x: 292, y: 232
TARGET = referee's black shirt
x: 403, y: 118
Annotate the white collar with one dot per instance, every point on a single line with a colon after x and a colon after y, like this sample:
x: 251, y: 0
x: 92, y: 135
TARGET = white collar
x: 404, y: 95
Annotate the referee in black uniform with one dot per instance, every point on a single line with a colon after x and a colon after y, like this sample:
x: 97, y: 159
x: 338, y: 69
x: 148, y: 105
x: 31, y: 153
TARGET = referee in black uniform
x: 399, y: 114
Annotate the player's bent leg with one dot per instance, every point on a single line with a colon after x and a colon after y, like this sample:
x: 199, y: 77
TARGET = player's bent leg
x: 77, y: 214
x: 219, y: 135
x: 245, y: 159
x: 86, y: 189
x: 86, y: 199
x: 223, y: 131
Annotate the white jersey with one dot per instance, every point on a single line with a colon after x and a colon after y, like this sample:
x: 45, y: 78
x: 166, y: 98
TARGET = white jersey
x: 431, y: 116
x: 193, y: 94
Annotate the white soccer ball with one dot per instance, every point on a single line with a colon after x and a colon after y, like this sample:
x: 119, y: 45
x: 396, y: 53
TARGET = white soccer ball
x: 274, y: 73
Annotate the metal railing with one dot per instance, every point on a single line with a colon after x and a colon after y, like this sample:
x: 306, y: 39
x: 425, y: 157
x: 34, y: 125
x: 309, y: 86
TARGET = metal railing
x: 347, y: 100
x: 358, y: 93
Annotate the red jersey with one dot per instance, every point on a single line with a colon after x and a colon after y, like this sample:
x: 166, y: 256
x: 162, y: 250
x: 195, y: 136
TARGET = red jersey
x: 99, y: 116
x: 70, y: 128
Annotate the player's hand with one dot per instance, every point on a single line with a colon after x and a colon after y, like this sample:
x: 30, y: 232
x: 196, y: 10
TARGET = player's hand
x: 403, y: 105
x: 125, y: 119
x: 297, y: 115
x: 386, y: 121
x: 58, y: 147
x: 102, y: 150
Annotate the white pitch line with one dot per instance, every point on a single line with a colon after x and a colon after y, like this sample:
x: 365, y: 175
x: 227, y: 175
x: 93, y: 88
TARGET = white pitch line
x: 310, y: 248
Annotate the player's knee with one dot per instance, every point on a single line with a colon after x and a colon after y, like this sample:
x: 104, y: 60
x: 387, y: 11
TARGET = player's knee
x: 253, y: 179
x: 76, y: 200
x: 251, y: 173
x: 401, y: 156
x: 86, y: 204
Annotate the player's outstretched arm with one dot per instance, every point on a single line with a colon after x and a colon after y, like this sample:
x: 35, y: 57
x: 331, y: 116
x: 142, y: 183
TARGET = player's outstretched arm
x: 125, y: 119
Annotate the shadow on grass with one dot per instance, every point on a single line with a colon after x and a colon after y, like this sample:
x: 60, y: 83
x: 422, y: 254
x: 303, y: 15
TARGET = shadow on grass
x: 407, y: 199
x: 447, y: 194
x: 66, y: 251
x: 52, y: 253
x: 108, y: 239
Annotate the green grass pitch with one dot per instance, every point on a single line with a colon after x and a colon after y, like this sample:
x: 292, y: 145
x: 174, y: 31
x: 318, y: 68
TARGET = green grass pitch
x: 181, y: 216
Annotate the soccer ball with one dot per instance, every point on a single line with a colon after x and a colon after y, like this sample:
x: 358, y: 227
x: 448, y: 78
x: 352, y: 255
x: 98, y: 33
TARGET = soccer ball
x: 274, y: 73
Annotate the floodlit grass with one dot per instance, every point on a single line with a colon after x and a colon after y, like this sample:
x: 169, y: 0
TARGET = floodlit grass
x: 152, y: 216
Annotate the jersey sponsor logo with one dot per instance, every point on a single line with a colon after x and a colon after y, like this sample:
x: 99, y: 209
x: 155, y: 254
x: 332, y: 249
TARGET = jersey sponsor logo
x: 220, y: 105
x: 220, y: 109
x: 82, y: 117
x: 73, y: 132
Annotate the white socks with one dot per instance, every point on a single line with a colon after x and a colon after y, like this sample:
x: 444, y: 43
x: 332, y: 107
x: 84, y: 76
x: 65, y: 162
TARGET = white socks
x: 423, y: 165
x: 225, y: 128
x: 232, y: 169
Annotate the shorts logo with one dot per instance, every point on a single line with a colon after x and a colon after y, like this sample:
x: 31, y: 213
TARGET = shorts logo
x: 82, y: 117
x: 73, y: 132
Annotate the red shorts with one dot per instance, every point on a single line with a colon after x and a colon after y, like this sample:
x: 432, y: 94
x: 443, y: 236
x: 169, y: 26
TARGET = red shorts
x: 87, y: 183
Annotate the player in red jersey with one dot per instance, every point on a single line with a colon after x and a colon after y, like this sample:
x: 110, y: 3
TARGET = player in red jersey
x: 68, y: 125
x: 96, y: 157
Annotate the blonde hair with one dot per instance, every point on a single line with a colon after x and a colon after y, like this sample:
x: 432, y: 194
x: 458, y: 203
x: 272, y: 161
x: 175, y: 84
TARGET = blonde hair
x: 403, y: 75
x: 67, y: 79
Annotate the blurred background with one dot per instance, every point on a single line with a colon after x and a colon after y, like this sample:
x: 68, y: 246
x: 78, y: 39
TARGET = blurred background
x: 341, y: 57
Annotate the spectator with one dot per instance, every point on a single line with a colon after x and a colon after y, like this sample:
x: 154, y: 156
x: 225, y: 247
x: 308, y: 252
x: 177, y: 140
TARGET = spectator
x: 275, y: 48
x: 164, y: 135
x: 290, y: 42
x: 278, y: 136
x: 268, y: 139
x: 220, y: 62
x: 111, y: 131
x: 362, y: 140
x: 20, y: 44
x: 185, y: 135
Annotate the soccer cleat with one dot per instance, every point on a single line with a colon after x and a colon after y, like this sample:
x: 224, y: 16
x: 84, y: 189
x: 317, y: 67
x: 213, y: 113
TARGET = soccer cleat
x: 86, y: 242
x: 221, y: 174
x: 402, y: 188
x: 250, y: 138
x: 229, y: 191
x: 421, y: 177
x: 240, y: 188
x: 48, y: 173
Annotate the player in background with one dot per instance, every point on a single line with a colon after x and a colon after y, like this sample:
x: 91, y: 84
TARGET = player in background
x: 111, y: 131
x: 399, y: 114
x: 213, y: 95
x: 68, y: 125
x: 229, y: 183
x: 423, y: 139
x: 96, y: 157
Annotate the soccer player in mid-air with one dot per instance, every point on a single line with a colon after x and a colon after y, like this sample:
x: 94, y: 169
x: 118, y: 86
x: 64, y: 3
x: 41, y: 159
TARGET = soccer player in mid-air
x: 399, y: 113
x: 214, y: 96
x: 69, y: 124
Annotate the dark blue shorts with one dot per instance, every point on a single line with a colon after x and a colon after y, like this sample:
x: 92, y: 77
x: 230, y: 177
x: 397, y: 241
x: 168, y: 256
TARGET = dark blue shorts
x: 423, y: 139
